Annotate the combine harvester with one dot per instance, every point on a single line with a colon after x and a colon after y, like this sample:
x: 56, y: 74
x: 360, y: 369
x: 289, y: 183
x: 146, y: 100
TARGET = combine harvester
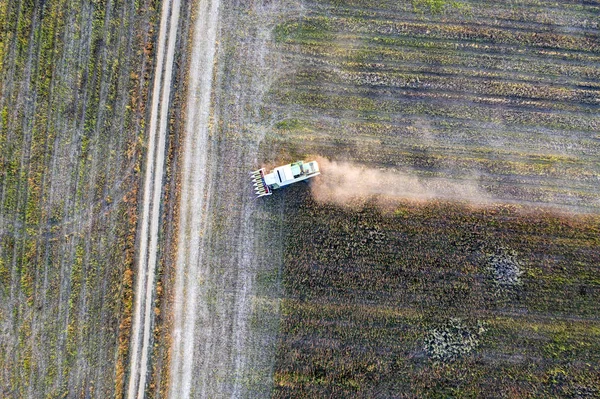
x: 264, y: 184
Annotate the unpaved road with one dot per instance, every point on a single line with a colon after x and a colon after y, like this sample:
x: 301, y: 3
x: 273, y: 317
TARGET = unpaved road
x: 224, y: 325
x: 195, y: 194
x: 214, y: 349
x: 193, y: 199
x: 148, y: 241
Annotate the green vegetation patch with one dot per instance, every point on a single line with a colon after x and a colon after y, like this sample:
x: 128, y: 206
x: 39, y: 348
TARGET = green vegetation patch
x: 289, y: 124
x: 437, y: 6
x: 319, y: 28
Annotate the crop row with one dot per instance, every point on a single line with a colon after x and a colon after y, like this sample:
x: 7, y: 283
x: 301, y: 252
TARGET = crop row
x: 481, y: 109
x: 444, y: 134
x: 439, y: 82
x: 445, y: 62
x: 513, y: 7
x: 541, y: 18
x: 319, y: 27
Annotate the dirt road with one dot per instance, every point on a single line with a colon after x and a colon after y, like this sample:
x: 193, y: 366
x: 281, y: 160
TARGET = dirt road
x: 194, y: 196
x: 148, y: 242
x: 224, y: 321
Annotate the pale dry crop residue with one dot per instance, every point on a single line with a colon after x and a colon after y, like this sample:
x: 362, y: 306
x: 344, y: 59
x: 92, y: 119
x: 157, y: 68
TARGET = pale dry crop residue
x: 216, y: 350
x: 190, y: 261
x: 345, y: 183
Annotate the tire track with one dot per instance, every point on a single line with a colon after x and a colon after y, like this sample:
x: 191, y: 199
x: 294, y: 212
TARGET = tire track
x: 147, y: 255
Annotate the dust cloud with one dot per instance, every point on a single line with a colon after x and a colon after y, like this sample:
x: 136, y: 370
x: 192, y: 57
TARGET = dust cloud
x: 350, y: 184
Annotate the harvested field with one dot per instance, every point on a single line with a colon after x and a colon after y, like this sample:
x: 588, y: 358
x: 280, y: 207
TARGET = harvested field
x: 505, y: 97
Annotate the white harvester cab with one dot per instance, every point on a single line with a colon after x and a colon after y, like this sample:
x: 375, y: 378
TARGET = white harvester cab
x: 264, y: 184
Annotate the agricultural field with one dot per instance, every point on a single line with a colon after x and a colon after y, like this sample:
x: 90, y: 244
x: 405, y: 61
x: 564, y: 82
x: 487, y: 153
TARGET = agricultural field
x: 73, y: 88
x: 492, y: 295
x: 449, y: 249
x: 438, y: 300
x: 506, y: 97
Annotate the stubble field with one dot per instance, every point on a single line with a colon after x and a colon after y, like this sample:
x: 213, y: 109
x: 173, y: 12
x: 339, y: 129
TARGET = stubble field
x: 504, y: 96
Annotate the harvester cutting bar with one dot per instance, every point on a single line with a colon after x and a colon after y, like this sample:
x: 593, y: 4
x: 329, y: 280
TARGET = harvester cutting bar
x: 260, y: 187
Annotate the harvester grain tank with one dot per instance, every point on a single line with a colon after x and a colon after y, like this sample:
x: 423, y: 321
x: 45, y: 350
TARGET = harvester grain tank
x: 264, y: 183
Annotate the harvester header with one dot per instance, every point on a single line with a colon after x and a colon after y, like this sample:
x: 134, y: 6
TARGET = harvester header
x: 264, y: 183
